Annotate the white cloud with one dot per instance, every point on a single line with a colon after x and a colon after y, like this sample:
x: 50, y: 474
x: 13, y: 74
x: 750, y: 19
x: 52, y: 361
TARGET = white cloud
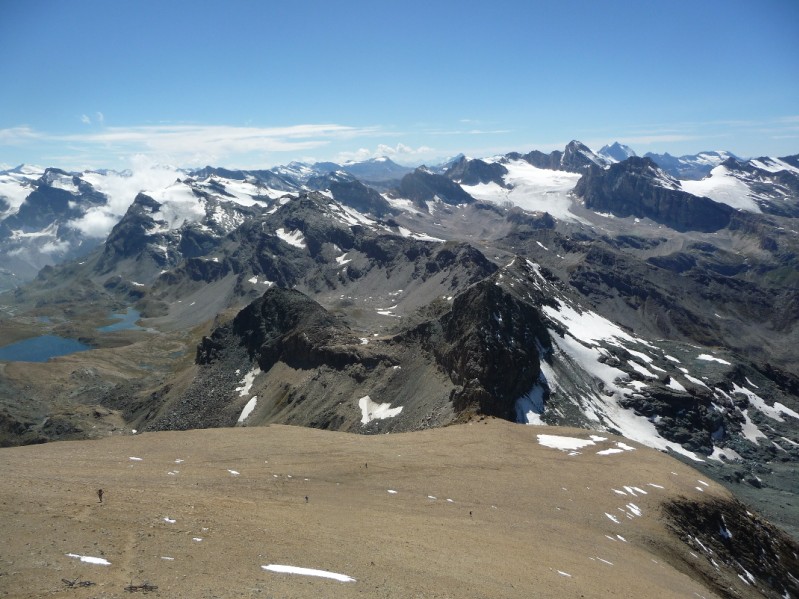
x: 646, y: 140
x: 85, y: 119
x: 193, y: 145
x: 468, y: 131
x: 54, y: 247
x: 398, y: 153
x: 355, y: 156
x: 402, y: 150
x: 96, y: 223
x: 121, y: 189
x: 19, y: 134
x: 100, y: 117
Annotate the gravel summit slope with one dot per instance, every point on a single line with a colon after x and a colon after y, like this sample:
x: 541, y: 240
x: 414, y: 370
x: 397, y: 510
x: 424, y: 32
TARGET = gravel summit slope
x: 484, y: 509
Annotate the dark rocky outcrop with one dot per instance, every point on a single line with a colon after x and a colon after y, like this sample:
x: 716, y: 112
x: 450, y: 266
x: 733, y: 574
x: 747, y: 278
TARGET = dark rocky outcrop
x: 475, y: 171
x: 128, y: 238
x: 42, y: 207
x: 687, y: 419
x: 760, y: 557
x: 351, y: 192
x: 576, y: 158
x: 524, y: 221
x: 488, y: 344
x: 423, y: 186
x: 284, y: 325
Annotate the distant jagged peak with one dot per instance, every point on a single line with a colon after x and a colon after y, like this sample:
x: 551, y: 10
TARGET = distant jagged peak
x: 300, y: 172
x: 324, y: 181
x: 376, y: 160
x: 26, y: 170
x: 616, y: 152
x: 218, y: 171
x: 776, y: 165
x: 577, y: 156
x: 381, y: 168
x: 691, y: 166
x: 454, y: 159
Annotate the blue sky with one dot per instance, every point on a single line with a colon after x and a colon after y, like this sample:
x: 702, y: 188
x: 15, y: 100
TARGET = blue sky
x: 252, y: 84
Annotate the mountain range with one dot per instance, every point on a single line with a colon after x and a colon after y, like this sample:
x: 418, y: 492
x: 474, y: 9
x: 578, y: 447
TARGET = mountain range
x: 653, y: 297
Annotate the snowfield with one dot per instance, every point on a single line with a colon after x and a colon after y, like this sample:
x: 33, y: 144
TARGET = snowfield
x: 723, y: 187
x: 531, y: 188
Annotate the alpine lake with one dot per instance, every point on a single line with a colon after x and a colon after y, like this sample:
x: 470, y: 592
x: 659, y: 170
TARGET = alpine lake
x: 43, y: 347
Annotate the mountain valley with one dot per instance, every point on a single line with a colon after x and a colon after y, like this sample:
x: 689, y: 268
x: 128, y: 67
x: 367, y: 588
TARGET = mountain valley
x: 603, y: 291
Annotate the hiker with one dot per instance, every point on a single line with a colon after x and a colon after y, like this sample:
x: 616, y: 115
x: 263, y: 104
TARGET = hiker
x: 100, y: 494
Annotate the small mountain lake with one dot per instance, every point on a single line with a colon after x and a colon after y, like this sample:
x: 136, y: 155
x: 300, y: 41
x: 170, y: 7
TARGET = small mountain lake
x: 44, y: 347
x: 40, y: 349
x: 126, y: 322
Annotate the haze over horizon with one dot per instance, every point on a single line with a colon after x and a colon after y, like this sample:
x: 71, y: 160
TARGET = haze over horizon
x: 251, y: 85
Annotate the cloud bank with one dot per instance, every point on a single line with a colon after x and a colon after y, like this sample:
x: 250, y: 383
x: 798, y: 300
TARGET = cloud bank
x: 188, y: 145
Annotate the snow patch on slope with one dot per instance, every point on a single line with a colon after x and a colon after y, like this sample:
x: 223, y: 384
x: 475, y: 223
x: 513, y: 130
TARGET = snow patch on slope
x: 295, y: 238
x: 371, y: 410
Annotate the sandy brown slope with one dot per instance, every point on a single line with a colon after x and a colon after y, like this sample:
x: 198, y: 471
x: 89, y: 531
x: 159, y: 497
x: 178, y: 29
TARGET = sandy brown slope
x: 510, y: 518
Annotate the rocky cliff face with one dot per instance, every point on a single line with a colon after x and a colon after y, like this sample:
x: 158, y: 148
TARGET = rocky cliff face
x: 351, y: 192
x: 636, y: 187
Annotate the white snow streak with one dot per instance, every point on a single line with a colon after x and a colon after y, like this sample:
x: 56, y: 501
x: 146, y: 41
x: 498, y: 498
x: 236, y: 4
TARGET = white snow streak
x: 710, y: 358
x: 248, y: 409
x: 88, y: 559
x: 308, y: 572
